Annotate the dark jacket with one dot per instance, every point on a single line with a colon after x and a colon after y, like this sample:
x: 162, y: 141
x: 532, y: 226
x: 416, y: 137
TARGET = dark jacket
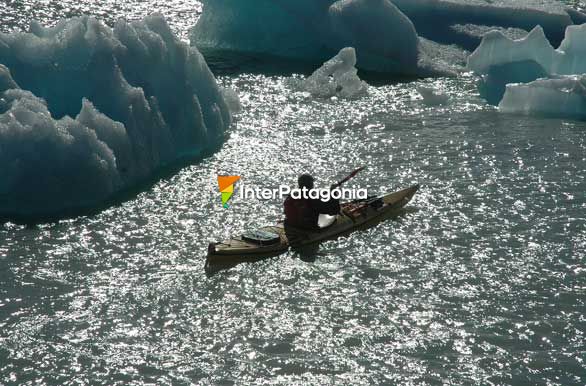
x: 304, y: 213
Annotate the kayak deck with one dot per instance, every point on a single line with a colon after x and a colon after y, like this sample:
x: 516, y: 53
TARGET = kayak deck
x: 353, y: 216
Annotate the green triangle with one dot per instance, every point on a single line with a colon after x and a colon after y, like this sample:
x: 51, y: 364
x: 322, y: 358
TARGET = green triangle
x: 225, y: 197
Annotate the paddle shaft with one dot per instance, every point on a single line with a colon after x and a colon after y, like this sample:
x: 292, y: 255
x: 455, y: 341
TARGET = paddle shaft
x: 348, y: 177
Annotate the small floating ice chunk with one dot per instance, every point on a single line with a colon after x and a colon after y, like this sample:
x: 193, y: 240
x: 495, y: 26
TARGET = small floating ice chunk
x: 561, y: 97
x: 337, y: 77
x: 432, y: 97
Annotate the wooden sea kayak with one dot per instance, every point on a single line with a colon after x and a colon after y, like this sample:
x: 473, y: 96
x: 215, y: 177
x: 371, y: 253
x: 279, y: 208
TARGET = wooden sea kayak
x: 274, y: 240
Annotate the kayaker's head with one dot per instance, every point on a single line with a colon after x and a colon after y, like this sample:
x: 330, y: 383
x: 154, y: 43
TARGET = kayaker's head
x: 305, y: 181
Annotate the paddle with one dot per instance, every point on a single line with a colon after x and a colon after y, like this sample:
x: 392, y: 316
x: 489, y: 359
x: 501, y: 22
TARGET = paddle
x: 348, y: 177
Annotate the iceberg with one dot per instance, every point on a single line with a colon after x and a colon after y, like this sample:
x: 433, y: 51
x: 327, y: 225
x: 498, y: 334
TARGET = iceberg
x: 399, y: 37
x: 337, y: 77
x: 558, y: 97
x: 442, y: 20
x: 500, y: 60
x: 529, y: 76
x: 87, y: 112
x: 497, y: 50
x: 310, y: 31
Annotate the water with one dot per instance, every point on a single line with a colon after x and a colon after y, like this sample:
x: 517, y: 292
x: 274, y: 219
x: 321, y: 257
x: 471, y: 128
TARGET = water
x: 16, y: 15
x: 483, y: 281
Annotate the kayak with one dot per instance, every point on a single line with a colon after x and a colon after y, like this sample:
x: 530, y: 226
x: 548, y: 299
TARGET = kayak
x: 274, y: 240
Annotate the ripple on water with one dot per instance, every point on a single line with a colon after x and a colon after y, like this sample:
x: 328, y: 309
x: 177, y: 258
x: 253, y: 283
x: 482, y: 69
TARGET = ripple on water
x: 481, y: 281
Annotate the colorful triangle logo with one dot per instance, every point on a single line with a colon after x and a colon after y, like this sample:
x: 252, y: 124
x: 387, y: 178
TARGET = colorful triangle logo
x: 226, y: 185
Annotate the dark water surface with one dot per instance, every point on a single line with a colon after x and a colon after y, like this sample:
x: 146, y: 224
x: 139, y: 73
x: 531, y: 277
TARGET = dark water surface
x: 483, y: 281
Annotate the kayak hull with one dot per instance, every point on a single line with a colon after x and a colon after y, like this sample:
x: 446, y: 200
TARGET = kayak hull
x: 354, y: 216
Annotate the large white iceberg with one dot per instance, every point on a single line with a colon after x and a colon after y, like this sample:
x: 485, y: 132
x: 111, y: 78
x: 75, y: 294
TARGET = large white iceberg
x: 500, y: 60
x: 559, y: 97
x: 497, y: 49
x: 529, y: 76
x: 87, y: 112
x: 404, y: 37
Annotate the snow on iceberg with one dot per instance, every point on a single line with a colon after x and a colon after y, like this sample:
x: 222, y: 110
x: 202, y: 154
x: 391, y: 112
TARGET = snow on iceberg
x: 560, y: 97
x: 337, y: 77
x: 500, y: 60
x: 310, y: 31
x: 87, y: 112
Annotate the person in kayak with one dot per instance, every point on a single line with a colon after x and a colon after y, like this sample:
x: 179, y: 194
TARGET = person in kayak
x: 304, y: 213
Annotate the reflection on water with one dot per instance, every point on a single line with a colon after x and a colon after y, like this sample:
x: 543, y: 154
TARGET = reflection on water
x: 483, y: 284
x: 16, y: 15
